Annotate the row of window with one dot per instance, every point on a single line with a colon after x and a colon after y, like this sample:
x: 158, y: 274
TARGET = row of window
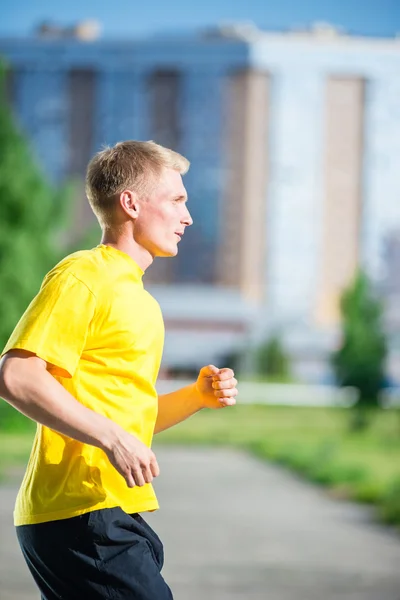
x: 162, y: 94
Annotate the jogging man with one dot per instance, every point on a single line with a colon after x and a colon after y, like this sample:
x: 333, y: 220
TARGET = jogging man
x: 82, y: 362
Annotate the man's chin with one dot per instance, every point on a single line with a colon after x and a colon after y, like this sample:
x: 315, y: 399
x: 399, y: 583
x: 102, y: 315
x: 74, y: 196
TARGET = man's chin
x: 167, y: 253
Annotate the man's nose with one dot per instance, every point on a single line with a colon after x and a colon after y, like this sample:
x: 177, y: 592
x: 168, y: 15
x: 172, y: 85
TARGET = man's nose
x: 187, y: 218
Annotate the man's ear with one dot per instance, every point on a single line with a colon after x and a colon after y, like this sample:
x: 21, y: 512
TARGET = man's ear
x: 129, y: 203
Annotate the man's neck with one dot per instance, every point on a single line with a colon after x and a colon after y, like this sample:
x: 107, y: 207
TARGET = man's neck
x: 127, y: 244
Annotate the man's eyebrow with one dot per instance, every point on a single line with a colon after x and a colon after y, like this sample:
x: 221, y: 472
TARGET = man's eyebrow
x: 182, y: 198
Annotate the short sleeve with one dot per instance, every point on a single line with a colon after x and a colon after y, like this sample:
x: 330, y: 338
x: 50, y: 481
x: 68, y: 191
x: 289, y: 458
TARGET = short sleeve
x: 55, y: 324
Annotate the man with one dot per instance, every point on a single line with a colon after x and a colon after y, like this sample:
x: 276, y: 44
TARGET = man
x: 83, y: 363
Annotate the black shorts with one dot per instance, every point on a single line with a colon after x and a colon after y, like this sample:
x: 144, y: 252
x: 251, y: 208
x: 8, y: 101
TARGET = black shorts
x: 104, y: 554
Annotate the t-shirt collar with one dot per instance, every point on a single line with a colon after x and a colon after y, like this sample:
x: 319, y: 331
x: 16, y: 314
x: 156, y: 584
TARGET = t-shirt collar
x: 123, y: 255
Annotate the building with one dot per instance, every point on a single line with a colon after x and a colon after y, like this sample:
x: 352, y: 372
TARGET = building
x: 294, y: 140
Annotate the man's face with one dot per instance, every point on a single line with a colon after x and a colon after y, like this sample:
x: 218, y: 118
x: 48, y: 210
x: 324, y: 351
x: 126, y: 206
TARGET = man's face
x: 163, y: 215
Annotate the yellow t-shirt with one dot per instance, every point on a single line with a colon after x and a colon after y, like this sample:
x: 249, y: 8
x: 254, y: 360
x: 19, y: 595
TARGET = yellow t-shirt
x: 103, y: 334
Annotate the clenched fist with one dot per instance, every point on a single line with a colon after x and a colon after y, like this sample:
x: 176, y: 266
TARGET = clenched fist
x: 216, y: 387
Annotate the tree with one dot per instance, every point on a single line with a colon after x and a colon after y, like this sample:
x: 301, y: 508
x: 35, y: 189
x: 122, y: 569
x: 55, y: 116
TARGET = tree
x: 31, y: 216
x: 360, y: 360
x: 272, y: 359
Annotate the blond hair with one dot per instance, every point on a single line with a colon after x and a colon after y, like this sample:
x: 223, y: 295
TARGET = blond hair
x: 129, y: 165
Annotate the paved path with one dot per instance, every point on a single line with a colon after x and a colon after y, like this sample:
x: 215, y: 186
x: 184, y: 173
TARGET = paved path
x: 234, y: 528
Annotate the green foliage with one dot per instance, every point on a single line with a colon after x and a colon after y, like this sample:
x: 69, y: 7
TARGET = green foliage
x: 360, y: 361
x: 31, y: 215
x: 11, y: 420
x: 14, y: 451
x: 390, y: 506
x: 272, y: 360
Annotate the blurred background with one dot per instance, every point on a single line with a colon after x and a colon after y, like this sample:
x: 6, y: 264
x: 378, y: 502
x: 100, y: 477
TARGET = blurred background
x: 290, y: 116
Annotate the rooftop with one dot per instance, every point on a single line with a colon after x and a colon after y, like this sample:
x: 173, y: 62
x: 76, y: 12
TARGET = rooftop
x: 247, y: 31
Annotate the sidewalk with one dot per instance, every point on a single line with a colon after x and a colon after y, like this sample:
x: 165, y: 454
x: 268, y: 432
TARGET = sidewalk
x: 235, y: 528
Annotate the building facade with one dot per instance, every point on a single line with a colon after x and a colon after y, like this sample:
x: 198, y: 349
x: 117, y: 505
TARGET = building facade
x: 294, y: 141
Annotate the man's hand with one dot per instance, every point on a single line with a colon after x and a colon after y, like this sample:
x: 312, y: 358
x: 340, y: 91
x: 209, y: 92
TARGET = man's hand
x: 216, y: 387
x: 132, y: 459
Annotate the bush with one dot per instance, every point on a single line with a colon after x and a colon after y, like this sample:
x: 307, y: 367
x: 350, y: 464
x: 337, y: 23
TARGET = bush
x: 360, y: 360
x: 390, y: 503
x: 272, y: 360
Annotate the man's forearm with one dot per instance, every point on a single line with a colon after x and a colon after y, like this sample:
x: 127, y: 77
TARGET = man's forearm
x: 177, y: 406
x: 33, y: 391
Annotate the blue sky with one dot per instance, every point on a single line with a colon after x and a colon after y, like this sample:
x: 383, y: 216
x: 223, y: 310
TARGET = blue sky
x: 130, y: 18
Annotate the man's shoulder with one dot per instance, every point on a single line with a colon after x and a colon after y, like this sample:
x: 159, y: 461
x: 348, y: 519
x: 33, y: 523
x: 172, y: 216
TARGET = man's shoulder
x: 84, y: 265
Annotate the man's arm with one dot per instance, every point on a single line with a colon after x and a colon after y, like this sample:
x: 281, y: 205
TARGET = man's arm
x: 214, y: 388
x: 26, y: 384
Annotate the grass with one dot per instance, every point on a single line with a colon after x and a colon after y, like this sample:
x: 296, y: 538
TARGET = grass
x: 315, y: 442
x: 14, y: 450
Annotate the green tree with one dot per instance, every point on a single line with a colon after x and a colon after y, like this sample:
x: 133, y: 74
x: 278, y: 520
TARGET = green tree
x: 360, y: 360
x: 31, y: 217
x: 272, y: 360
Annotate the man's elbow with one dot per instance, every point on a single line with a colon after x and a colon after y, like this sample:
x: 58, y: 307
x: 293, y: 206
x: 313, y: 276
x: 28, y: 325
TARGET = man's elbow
x: 17, y: 369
